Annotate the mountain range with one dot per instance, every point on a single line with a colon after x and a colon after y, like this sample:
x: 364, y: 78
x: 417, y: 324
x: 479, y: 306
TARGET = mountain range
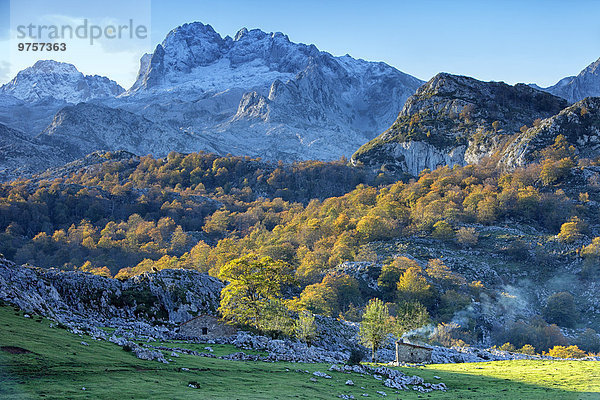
x: 259, y: 94
x: 256, y: 94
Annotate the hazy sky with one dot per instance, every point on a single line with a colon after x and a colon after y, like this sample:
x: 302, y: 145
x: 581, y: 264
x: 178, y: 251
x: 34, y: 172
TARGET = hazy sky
x: 511, y: 41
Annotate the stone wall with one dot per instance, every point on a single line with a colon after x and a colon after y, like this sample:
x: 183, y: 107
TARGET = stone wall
x: 206, y: 327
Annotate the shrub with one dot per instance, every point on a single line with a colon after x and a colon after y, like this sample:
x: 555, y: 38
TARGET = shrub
x: 536, y: 333
x: 507, y: 347
x: 566, y: 352
x: 527, y: 349
x: 467, y: 237
x: 560, y: 310
x: 356, y: 356
x: 446, y: 334
x: 571, y: 231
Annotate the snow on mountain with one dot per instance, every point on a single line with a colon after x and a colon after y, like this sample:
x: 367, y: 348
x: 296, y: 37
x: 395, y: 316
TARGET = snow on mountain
x: 575, y: 88
x: 260, y: 94
x: 256, y: 94
x: 26, y: 117
x: 60, y: 81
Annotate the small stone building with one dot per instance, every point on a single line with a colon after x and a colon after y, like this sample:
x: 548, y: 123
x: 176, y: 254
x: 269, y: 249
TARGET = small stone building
x: 206, y: 327
x: 412, y: 353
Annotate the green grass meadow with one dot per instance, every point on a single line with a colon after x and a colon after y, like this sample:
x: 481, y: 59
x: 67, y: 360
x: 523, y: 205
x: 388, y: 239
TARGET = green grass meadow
x: 43, y: 362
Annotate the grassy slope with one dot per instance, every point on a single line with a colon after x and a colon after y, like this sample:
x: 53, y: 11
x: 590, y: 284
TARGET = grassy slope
x: 59, y: 366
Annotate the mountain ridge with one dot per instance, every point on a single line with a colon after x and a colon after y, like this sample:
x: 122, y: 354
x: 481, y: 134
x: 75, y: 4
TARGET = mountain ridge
x: 455, y: 120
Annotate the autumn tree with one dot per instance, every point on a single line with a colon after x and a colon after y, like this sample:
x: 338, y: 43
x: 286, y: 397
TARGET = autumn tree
x: 413, y: 287
x: 252, y: 283
x: 572, y: 230
x: 391, y: 273
x: 319, y: 298
x: 443, y: 230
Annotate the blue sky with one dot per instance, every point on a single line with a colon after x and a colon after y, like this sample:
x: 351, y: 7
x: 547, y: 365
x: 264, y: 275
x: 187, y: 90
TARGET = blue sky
x: 511, y: 41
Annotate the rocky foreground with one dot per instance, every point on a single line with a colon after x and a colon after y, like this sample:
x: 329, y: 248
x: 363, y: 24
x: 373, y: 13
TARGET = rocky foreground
x: 149, y: 308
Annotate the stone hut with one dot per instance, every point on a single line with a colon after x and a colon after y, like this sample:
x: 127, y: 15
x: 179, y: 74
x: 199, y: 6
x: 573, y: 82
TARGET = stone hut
x: 206, y: 327
x: 412, y: 353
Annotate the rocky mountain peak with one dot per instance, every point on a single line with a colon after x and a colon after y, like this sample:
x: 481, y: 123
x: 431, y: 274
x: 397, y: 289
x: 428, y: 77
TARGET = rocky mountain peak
x: 51, y: 67
x: 456, y: 120
x: 48, y: 79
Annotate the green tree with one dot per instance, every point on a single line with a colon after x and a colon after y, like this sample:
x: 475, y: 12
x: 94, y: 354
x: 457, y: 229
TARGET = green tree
x: 375, y: 326
x: 253, y: 282
x: 305, y: 327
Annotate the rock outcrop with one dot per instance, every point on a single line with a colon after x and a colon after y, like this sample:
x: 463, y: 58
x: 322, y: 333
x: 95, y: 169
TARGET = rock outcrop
x: 579, y: 124
x: 168, y: 296
x: 22, y: 155
x: 84, y: 128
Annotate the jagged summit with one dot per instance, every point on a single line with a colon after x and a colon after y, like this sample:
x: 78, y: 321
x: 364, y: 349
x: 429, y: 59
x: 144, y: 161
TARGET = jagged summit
x: 184, y: 52
x: 259, y: 94
x: 48, y: 79
x: 51, y: 66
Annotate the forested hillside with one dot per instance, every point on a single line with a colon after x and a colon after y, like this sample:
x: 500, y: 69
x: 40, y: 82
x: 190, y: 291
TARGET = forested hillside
x: 118, y: 214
